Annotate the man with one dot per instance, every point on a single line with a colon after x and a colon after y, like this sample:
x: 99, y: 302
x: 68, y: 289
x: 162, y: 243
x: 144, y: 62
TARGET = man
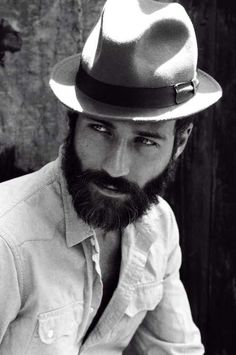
x: 90, y: 253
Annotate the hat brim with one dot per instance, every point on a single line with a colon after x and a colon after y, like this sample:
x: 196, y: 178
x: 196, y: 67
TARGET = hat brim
x: 62, y: 83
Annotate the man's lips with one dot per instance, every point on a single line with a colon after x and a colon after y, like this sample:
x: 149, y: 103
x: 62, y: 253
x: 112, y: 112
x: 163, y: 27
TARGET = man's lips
x: 110, y: 187
x: 109, y: 190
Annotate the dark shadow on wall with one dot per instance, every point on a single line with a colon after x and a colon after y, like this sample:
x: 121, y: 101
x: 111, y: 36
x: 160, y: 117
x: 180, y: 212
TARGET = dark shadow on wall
x: 10, y: 40
x: 8, y: 168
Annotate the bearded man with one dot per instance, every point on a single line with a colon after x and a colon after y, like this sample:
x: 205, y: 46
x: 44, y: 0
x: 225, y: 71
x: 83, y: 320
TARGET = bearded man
x: 89, y: 251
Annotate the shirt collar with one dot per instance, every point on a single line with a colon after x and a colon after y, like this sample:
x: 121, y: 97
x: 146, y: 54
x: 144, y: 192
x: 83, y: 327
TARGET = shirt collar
x: 76, y: 229
x: 145, y: 229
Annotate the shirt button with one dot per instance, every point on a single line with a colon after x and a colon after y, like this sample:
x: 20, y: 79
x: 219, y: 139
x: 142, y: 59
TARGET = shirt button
x: 50, y: 333
x: 91, y: 310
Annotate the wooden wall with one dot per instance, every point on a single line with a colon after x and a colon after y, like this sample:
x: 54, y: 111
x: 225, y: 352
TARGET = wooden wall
x: 205, y: 191
x: 34, y: 36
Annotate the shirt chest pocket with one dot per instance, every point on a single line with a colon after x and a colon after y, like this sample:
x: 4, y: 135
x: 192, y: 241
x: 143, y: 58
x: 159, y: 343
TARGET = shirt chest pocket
x: 145, y: 298
x: 57, y: 331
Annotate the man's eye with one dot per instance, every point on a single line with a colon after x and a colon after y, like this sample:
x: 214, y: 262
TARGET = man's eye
x: 99, y: 128
x: 146, y: 141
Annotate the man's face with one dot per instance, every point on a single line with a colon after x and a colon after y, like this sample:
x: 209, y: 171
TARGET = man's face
x: 115, y: 169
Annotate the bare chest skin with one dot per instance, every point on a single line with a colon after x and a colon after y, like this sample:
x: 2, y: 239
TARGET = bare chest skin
x: 110, y: 259
x: 110, y: 246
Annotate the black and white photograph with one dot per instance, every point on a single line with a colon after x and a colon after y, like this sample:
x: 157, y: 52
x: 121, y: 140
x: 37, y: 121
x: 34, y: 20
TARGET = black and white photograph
x: 117, y: 177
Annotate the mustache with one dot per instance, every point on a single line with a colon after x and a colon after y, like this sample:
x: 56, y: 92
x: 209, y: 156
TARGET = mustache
x: 103, y: 179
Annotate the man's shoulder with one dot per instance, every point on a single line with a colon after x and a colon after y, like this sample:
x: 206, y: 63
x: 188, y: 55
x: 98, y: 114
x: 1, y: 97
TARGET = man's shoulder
x: 27, y: 202
x: 15, y: 191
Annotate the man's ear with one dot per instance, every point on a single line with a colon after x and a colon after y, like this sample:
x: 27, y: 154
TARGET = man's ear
x: 183, y: 139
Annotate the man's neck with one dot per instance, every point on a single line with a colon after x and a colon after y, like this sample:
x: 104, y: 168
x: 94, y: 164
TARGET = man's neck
x: 110, y: 250
x: 111, y: 236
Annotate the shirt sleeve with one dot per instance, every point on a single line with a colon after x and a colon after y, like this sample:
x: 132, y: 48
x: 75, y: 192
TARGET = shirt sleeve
x: 169, y: 329
x: 10, y: 299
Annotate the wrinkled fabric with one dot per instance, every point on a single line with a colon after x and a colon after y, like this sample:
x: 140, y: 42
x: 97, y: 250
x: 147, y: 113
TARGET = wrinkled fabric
x: 51, y: 286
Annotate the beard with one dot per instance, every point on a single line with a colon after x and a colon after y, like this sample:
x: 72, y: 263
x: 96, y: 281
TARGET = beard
x: 107, y: 213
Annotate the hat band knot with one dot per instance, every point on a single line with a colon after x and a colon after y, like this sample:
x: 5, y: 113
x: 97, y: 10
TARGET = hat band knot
x: 135, y: 97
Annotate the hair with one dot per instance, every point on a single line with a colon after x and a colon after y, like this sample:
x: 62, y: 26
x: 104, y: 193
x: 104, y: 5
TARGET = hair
x: 71, y: 119
x: 181, y: 125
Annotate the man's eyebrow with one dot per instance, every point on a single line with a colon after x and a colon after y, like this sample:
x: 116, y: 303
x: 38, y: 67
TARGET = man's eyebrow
x: 105, y: 123
x: 150, y: 134
x: 140, y: 132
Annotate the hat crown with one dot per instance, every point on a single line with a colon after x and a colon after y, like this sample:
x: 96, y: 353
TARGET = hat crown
x: 141, y: 43
x: 139, y: 63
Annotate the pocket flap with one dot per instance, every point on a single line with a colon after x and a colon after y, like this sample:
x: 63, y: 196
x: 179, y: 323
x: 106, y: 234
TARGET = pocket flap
x: 61, y: 322
x: 145, y: 298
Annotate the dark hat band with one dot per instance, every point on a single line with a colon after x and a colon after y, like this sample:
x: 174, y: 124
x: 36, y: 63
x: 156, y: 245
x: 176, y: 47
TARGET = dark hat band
x: 135, y: 97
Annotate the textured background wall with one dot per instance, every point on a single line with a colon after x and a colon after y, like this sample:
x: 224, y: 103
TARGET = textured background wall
x: 34, y: 35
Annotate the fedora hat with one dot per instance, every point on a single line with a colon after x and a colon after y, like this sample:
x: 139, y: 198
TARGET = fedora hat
x: 138, y: 63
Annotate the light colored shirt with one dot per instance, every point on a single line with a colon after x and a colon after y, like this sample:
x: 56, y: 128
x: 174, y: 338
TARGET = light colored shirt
x: 51, y: 285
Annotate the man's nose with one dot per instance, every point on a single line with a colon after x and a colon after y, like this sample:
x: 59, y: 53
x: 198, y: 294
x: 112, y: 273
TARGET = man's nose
x: 117, y: 161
